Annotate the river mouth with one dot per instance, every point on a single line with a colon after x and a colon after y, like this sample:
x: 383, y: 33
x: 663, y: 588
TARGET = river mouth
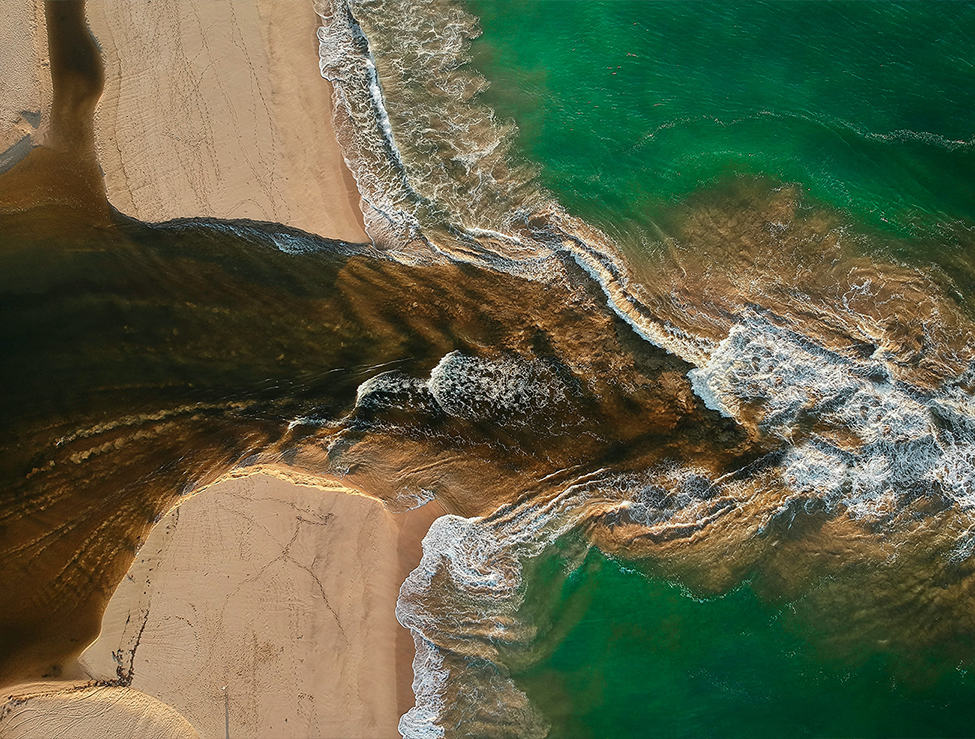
x: 744, y: 433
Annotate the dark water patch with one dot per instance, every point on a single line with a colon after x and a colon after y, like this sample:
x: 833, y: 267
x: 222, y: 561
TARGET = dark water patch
x: 14, y: 153
x: 145, y: 360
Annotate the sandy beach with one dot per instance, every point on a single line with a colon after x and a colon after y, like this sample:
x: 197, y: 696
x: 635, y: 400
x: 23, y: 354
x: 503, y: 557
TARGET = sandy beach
x: 218, y: 109
x: 258, y: 607
x: 209, y: 109
x: 25, y: 89
x: 267, y: 605
x: 53, y: 710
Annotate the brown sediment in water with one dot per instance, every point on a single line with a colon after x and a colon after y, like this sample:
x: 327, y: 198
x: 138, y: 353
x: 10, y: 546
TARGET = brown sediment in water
x: 154, y: 361
x: 751, y: 244
x: 151, y: 361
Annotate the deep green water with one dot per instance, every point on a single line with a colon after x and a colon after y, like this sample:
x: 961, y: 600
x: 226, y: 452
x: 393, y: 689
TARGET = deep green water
x: 628, y: 108
x: 630, y: 656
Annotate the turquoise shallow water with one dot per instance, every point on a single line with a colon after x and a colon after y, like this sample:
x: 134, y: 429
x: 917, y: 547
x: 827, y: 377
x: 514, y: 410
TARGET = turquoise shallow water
x: 628, y: 108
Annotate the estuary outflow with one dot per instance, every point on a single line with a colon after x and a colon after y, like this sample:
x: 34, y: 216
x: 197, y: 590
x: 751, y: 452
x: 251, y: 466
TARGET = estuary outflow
x: 761, y: 399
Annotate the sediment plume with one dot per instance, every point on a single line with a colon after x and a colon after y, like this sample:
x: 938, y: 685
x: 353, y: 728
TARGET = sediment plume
x: 155, y: 358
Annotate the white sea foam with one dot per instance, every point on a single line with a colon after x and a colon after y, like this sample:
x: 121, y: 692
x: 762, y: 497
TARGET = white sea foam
x: 363, y: 128
x: 475, y: 387
x: 418, y: 210
x: 386, y: 387
x: 870, y: 442
x: 461, y: 603
x: 429, y: 683
x: 273, y: 235
x: 506, y: 389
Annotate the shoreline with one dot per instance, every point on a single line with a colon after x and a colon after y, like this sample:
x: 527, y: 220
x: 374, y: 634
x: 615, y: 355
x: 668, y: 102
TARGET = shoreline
x: 413, y: 526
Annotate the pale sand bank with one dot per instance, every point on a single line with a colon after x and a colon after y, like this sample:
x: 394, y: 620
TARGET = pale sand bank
x: 258, y: 607
x: 25, y: 84
x: 283, y: 593
x: 211, y: 108
x: 217, y: 108
x: 47, y: 711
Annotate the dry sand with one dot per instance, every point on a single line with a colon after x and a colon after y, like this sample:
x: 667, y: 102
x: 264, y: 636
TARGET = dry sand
x: 25, y: 85
x: 50, y: 711
x: 217, y: 108
x: 258, y: 608
x: 211, y: 108
x: 283, y: 593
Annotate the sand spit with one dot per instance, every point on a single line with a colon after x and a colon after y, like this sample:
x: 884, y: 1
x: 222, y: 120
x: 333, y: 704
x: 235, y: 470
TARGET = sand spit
x: 257, y: 608
x: 218, y: 109
x: 212, y: 108
x: 267, y: 605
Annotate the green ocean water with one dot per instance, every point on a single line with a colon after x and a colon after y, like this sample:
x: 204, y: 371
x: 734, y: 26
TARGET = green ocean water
x: 630, y: 656
x: 628, y: 109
